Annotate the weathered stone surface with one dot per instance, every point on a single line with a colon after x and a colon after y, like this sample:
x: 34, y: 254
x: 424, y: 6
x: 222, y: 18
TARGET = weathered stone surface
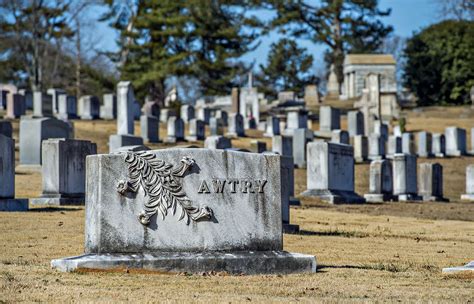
x: 216, y: 126
x: 295, y: 119
x: 466, y: 268
x: 330, y: 172
x: 33, y: 131
x: 408, y: 145
x: 273, y: 127
x: 394, y: 146
x: 42, y: 105
x: 16, y: 106
x: 236, y: 126
x: 217, y: 142
x: 125, y: 101
x: 187, y: 112
x: 175, y: 129
x: 424, y: 147
x: 197, y: 130
x: 67, y: 107
x: 64, y: 171
x: 329, y: 119
x: 355, y: 123
x: 439, y: 145
x: 405, y: 177
x: 361, y: 148
x: 381, y: 183
x: 149, y: 128
x: 455, y: 141
x: 469, y: 196
x: 6, y: 128
x: 300, y: 138
x: 430, y: 182
x: 376, y: 147
x: 340, y: 137
x: 89, y: 107
x: 257, y: 146
x: 109, y: 109
x: 232, y: 215
x: 282, y: 145
x: 117, y: 141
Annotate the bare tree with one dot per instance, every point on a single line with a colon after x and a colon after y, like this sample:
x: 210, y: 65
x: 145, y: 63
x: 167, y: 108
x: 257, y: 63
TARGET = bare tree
x: 457, y: 9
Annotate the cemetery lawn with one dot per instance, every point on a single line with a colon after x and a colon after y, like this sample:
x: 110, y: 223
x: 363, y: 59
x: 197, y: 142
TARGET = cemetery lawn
x: 372, y: 252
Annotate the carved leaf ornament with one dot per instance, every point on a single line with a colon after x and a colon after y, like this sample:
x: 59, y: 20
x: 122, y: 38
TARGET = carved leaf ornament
x: 162, y: 185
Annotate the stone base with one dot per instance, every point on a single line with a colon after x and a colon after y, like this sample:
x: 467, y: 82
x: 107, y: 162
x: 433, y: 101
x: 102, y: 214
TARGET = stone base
x: 58, y: 200
x: 440, y: 155
x: 453, y: 270
x: 28, y: 168
x: 12, y: 204
x: 360, y: 160
x: 335, y: 196
x: 323, y: 134
x: 468, y: 197
x: 379, y: 198
x: 470, y: 153
x: 375, y: 157
x: 116, y: 141
x: 294, y: 201
x: 408, y: 197
x: 456, y: 153
x: 290, y: 228
x: 430, y: 198
x: 253, y: 262
x: 172, y: 140
x: 193, y: 138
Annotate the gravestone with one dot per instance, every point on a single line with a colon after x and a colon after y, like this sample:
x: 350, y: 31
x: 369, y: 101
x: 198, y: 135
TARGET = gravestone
x: 376, y: 147
x: 257, y: 146
x: 381, y: 129
x: 67, y: 107
x: 116, y: 142
x: 262, y: 126
x: 361, y: 148
x: 175, y: 129
x: 236, y: 126
x: 329, y: 119
x: 7, y: 177
x: 282, y: 145
x: 137, y: 111
x: 287, y: 193
x: 394, y: 146
x: 223, y: 116
x: 397, y: 131
x: 408, y: 145
x: 228, y: 215
x: 55, y: 93
x: 273, y: 127
x: 250, y: 123
x: 424, y: 146
x: 217, y: 142
x: 151, y: 108
x: 300, y: 138
x: 197, y: 129
x: 42, y: 105
x: 330, y: 173
x: 89, y: 107
x: 355, y: 123
x: 216, y: 126
x: 471, y: 152
x: 64, y: 171
x: 455, y: 141
x: 235, y: 100
x: 405, y: 177
x: 295, y: 119
x: 380, y: 183
x: 340, y: 137
x: 165, y: 115
x: 187, y: 113
x: 108, y: 110
x: 150, y: 127
x: 430, y: 182
x: 6, y: 128
x: 32, y: 133
x: 311, y: 96
x: 204, y: 114
x: 28, y: 98
x: 439, y: 145
x: 469, y: 196
x: 16, y: 106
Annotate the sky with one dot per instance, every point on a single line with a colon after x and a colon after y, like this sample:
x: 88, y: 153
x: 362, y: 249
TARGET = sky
x: 407, y: 16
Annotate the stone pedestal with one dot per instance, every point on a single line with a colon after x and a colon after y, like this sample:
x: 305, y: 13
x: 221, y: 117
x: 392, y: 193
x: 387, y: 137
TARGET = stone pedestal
x: 63, y: 171
x: 116, y: 141
x: 381, y: 183
x: 430, y: 182
x: 405, y: 177
x: 330, y: 173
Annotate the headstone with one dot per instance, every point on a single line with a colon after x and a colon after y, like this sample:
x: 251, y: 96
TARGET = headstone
x: 217, y: 142
x: 455, y: 141
x: 340, y: 137
x: 405, y: 177
x: 397, y: 131
x: 236, y: 126
x: 150, y: 127
x: 332, y: 87
x: 376, y: 147
x: 262, y: 126
x: 257, y: 146
x: 223, y: 116
x: 42, y: 105
x: 285, y: 96
x: 408, y: 145
x: 204, y: 114
x: 89, y: 107
x: 438, y: 145
x: 118, y: 141
x: 7, y: 177
x: 282, y: 145
x: 329, y: 119
x: 430, y: 182
x: 137, y: 111
x: 187, y: 112
x: 150, y: 108
x: 469, y: 267
x: 287, y: 193
x: 469, y: 196
x: 109, y: 109
x: 165, y: 115
x: 67, y: 107
x: 355, y: 123
x: 33, y: 131
x: 295, y: 119
x: 28, y: 98
x: 16, y: 106
x: 380, y: 183
x: 394, y: 146
x: 424, y: 144
x: 235, y: 100
x: 250, y: 123
x: 300, y: 138
x: 216, y: 126
x: 273, y: 127
x: 381, y: 129
x: 3, y: 99
x: 135, y: 148
x: 361, y: 148
x: 125, y: 101
x: 64, y: 171
x: 197, y: 129
x: 175, y: 128
x: 311, y: 96
x: 226, y: 220
x: 6, y: 128
x: 55, y: 93
x: 330, y: 172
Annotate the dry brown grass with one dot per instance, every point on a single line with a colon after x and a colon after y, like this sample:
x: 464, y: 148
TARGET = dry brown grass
x: 374, y: 252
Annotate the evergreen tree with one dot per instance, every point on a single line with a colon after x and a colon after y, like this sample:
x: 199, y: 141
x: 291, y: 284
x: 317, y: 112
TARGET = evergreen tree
x: 288, y: 67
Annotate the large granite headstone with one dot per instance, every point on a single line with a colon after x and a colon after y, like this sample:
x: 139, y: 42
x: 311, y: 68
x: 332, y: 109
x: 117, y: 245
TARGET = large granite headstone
x: 340, y: 137
x: 408, y: 144
x: 64, y: 171
x: 295, y: 119
x: 439, y: 145
x: 376, y: 147
x: 455, y: 141
x: 6, y: 128
x: 197, y: 130
x: 67, y: 107
x: 149, y: 128
x: 394, y: 146
x: 187, y: 112
x: 273, y: 127
x: 405, y: 177
x: 430, y: 182
x: 55, y: 93
x: 205, y: 211
x: 329, y: 119
x: 42, y: 105
x: 216, y: 126
x: 16, y: 106
x: 217, y: 142
x: 380, y: 183
x: 330, y: 173
x: 175, y: 128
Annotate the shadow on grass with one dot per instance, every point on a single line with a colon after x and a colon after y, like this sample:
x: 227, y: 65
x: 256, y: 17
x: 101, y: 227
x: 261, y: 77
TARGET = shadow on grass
x: 336, y: 232
x: 54, y: 209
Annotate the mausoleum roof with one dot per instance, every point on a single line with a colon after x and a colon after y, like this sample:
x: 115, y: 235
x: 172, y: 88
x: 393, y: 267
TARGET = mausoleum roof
x: 365, y: 59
